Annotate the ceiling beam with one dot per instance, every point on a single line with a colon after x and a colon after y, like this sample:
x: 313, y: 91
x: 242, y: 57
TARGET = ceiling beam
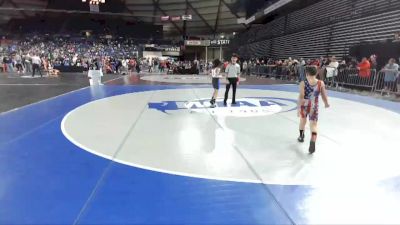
x: 201, y: 17
x: 2, y: 2
x: 217, y: 19
x: 16, y: 6
x: 63, y: 11
x: 185, y: 21
x: 231, y: 10
x: 131, y: 12
x: 155, y: 3
x: 172, y: 22
x: 176, y: 8
x: 169, y: 3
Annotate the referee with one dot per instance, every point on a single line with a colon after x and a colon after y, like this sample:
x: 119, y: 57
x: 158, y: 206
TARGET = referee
x: 232, y: 71
x: 36, y: 63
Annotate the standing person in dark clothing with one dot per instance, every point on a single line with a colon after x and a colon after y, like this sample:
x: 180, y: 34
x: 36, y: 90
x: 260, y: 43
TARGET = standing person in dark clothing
x: 138, y: 64
x: 232, y: 73
x: 118, y: 65
x: 8, y: 62
x: 36, y: 63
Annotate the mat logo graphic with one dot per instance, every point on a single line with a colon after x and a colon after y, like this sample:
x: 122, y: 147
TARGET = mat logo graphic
x: 245, y: 107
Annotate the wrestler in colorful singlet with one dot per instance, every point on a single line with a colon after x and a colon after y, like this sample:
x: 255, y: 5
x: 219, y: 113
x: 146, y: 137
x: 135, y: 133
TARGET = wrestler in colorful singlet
x: 308, y: 104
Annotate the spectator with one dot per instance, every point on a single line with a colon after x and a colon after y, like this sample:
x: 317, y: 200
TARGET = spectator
x: 27, y: 63
x: 302, y: 69
x: 18, y: 63
x: 331, y: 70
x: 373, y: 61
x: 245, y: 66
x: 364, y: 69
x: 391, y: 74
x: 8, y: 64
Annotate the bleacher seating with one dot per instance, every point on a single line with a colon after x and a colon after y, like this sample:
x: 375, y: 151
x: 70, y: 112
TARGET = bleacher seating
x: 373, y: 28
x: 318, y: 14
x: 327, y: 27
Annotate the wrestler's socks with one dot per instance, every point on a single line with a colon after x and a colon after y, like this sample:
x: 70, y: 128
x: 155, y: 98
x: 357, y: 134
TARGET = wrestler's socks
x: 311, y: 150
x: 301, y: 137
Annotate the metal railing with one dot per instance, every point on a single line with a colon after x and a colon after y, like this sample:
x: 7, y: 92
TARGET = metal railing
x: 354, y: 78
x: 387, y: 83
x: 384, y: 82
x: 277, y: 72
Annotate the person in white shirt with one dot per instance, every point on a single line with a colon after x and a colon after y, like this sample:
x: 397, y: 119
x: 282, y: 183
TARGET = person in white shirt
x: 124, y: 68
x: 36, y: 62
x: 232, y: 71
x: 333, y: 63
x: 18, y: 63
x: 332, y: 70
x: 75, y: 59
x: 215, y: 74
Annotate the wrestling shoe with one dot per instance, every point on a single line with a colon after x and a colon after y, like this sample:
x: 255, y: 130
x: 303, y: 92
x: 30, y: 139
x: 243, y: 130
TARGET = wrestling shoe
x: 311, y: 150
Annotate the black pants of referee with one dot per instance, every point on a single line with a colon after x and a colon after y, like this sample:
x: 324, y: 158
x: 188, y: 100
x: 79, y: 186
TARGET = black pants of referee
x: 232, y: 82
x: 34, y: 68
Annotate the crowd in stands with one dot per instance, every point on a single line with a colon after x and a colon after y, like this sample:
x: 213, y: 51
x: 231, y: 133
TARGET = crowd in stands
x: 62, y: 51
x: 50, y: 54
x: 364, y: 73
x: 292, y: 68
x: 67, y: 53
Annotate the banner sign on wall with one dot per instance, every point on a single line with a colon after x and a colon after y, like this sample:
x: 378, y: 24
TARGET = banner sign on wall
x: 197, y: 43
x: 211, y: 43
x: 172, y: 49
x: 165, y: 18
x: 220, y: 42
x: 175, y: 18
x: 187, y: 17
